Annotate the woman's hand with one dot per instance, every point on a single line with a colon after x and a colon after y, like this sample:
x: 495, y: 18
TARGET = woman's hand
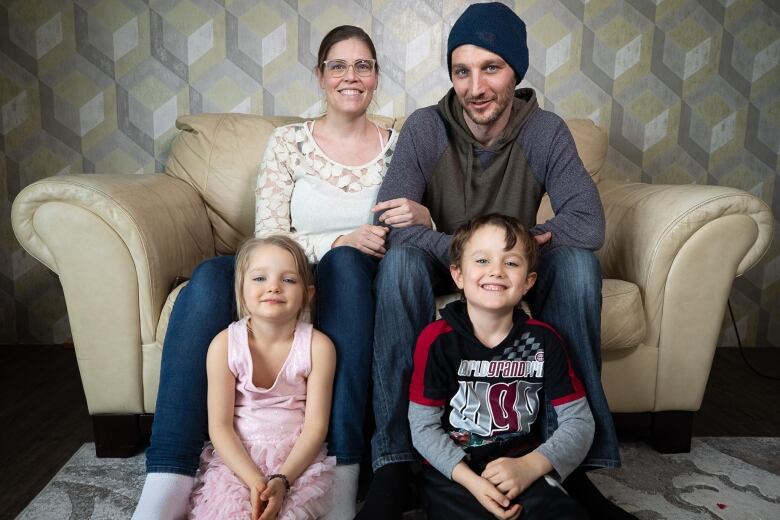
x: 403, y: 213
x: 367, y: 239
x: 273, y: 496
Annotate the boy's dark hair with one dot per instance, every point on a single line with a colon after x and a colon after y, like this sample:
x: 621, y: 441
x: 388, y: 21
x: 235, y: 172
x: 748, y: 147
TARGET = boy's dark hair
x: 513, y: 229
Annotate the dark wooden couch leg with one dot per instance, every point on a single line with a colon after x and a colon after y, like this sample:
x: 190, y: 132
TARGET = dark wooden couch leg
x: 672, y: 431
x: 118, y: 435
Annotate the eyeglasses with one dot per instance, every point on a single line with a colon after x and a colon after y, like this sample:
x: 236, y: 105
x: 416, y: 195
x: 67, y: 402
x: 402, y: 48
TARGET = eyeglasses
x: 338, y: 68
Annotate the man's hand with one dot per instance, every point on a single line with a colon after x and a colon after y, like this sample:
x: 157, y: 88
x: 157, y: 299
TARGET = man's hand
x: 255, y: 490
x: 512, y: 476
x: 273, y: 496
x: 543, y: 238
x: 403, y: 213
x: 367, y: 239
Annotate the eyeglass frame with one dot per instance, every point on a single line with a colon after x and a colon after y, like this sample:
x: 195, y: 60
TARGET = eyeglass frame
x: 372, y: 61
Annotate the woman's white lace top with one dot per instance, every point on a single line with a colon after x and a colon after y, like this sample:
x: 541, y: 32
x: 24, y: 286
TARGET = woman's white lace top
x: 302, y: 193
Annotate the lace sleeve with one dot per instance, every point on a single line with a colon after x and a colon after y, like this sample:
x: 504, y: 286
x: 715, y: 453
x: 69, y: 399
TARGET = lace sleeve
x: 274, y: 189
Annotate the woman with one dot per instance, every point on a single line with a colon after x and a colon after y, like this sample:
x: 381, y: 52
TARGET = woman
x: 318, y: 182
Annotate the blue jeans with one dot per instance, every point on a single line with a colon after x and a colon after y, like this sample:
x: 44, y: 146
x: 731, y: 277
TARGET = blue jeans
x: 567, y: 296
x: 344, y: 311
x: 406, y: 287
x: 204, y: 307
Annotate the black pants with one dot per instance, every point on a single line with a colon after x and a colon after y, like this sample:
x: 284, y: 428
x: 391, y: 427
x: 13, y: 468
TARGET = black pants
x: 449, y: 500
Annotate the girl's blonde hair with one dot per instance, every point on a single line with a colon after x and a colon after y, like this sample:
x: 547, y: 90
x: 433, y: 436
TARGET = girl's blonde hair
x: 280, y: 241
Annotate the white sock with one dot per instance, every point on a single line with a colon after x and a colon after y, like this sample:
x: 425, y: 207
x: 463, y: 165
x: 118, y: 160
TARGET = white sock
x: 345, y: 487
x: 166, y: 496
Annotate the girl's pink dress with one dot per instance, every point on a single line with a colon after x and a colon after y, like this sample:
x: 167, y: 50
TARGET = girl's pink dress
x: 268, y: 421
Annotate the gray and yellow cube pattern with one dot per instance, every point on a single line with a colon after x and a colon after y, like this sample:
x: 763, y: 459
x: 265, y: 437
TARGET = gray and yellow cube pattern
x: 689, y: 91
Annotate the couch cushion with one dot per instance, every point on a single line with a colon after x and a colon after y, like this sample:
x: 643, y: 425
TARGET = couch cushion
x: 622, y: 315
x: 152, y: 353
x: 591, y: 142
x: 219, y: 155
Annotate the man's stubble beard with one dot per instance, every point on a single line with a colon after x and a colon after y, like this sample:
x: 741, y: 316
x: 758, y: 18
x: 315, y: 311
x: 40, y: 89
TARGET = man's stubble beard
x: 502, y: 101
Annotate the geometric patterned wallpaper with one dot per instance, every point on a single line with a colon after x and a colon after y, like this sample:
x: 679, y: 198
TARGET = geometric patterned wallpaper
x: 689, y: 91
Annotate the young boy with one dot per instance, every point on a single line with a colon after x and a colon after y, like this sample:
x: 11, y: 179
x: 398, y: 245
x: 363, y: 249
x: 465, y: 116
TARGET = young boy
x: 481, y: 375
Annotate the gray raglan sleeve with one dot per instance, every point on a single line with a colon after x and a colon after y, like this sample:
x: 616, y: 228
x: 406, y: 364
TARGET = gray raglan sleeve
x: 569, y: 444
x: 420, y: 144
x: 430, y: 439
x: 552, y: 155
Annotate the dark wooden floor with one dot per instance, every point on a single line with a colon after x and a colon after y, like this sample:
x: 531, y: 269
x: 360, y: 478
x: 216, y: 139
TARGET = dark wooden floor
x: 44, y: 416
x: 44, y: 420
x: 737, y: 402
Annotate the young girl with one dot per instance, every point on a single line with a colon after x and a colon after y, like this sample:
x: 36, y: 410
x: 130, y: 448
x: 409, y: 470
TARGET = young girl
x: 270, y: 378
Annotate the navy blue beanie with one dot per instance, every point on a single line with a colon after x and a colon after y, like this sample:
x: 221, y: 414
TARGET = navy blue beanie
x: 496, y: 28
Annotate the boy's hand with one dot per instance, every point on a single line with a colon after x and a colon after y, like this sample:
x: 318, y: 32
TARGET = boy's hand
x: 273, y: 496
x: 255, y: 490
x: 492, y: 499
x: 512, y: 476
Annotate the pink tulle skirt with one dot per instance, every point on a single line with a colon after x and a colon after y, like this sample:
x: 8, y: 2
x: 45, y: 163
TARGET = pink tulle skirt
x: 219, y: 493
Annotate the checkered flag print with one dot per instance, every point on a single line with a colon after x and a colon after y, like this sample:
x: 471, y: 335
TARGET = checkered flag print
x: 521, y: 349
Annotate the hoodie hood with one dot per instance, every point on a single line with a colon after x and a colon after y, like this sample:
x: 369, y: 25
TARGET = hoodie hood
x: 462, y: 187
x: 523, y: 105
x: 456, y: 315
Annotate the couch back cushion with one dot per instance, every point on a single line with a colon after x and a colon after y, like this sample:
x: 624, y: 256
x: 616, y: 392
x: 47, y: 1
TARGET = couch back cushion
x: 591, y: 142
x: 220, y: 154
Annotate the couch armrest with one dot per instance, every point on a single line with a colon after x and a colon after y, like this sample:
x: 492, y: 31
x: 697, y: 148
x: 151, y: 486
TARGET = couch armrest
x: 117, y: 242
x: 682, y: 245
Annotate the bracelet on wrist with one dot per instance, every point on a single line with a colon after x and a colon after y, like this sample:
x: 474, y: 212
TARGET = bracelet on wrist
x: 281, y: 477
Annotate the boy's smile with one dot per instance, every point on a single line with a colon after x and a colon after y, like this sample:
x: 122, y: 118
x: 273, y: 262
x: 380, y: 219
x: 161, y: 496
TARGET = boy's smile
x: 493, y: 287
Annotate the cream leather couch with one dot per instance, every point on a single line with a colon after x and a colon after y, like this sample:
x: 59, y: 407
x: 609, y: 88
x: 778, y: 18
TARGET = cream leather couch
x: 118, y: 242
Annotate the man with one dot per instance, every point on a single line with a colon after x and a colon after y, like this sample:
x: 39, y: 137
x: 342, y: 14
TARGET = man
x: 485, y: 148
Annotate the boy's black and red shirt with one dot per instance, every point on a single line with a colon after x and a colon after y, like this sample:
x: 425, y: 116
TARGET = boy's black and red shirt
x: 491, y: 396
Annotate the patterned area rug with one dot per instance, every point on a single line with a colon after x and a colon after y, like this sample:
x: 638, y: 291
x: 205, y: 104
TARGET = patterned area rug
x: 721, y: 478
